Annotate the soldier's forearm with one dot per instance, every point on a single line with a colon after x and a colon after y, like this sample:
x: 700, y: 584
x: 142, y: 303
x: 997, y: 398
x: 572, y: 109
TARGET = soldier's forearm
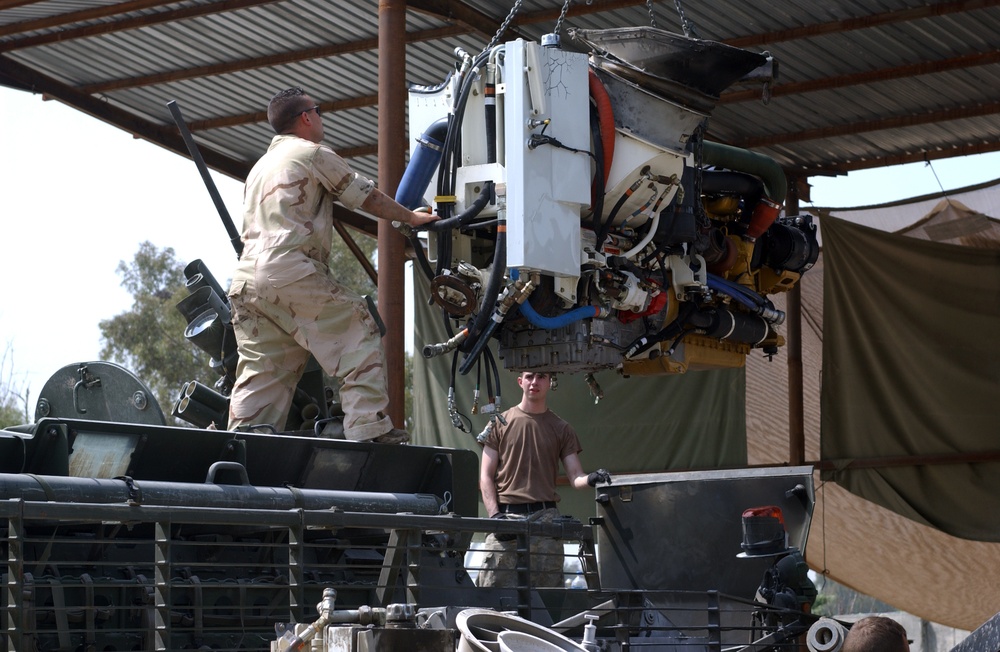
x: 385, y: 207
x: 490, y: 501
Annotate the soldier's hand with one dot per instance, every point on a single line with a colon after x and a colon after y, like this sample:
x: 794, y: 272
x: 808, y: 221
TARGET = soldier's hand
x: 599, y: 476
x: 421, y: 217
x: 500, y: 516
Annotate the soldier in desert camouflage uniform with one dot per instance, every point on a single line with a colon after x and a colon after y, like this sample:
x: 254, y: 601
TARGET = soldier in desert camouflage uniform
x: 285, y: 303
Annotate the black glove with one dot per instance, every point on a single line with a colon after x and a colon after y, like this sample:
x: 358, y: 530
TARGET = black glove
x: 501, y: 516
x: 599, y: 476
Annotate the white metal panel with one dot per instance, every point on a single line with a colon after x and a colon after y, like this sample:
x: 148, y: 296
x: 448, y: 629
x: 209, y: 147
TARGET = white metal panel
x: 547, y: 186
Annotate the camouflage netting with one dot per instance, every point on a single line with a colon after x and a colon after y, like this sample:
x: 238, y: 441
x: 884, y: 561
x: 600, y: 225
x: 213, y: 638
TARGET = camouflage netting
x: 855, y: 541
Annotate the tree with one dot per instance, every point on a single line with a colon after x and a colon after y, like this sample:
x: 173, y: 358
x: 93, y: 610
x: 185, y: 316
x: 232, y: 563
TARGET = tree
x: 149, y: 339
x: 14, y: 399
x: 408, y: 390
x: 836, y: 600
x: 346, y: 268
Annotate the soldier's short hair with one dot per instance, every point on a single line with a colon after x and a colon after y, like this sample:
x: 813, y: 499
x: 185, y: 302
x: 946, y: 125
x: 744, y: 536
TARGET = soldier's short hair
x: 285, y: 107
x: 876, y: 634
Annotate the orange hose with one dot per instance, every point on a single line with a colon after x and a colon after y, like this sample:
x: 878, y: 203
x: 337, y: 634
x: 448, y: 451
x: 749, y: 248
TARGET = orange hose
x: 606, y: 120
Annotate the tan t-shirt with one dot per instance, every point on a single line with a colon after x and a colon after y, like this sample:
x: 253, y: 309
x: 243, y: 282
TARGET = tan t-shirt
x: 530, y: 447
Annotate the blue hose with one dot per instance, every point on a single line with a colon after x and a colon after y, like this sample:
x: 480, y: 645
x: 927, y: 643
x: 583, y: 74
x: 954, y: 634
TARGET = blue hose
x: 549, y: 323
x: 565, y: 319
x: 736, y: 291
x: 422, y: 166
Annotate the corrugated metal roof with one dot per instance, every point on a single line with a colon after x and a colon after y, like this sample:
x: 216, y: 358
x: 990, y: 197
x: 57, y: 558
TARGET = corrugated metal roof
x: 863, y: 83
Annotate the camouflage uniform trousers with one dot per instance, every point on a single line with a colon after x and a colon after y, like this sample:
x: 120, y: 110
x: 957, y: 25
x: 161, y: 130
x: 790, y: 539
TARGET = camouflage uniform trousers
x: 276, y: 330
x: 499, y: 568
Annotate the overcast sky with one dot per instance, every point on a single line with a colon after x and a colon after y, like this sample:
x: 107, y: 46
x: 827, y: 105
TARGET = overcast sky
x: 78, y: 196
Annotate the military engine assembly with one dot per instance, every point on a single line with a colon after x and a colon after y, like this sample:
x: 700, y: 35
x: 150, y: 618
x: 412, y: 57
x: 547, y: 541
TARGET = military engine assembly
x: 586, y: 221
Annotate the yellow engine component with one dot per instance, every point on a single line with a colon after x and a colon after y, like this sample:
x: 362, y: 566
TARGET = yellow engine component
x: 694, y: 353
x: 770, y: 281
x: 763, y: 281
x: 721, y: 207
x: 740, y: 271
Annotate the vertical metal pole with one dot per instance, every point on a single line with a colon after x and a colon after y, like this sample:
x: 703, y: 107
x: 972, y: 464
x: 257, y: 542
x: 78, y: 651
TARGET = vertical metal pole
x: 413, y: 559
x: 161, y: 585
x: 15, y: 580
x: 391, y: 562
x: 793, y: 348
x: 391, y: 154
x: 524, y: 575
x: 714, y: 621
x: 296, y: 570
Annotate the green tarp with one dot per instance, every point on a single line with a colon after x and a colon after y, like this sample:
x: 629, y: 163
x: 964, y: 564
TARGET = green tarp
x: 911, y: 367
x: 690, y: 421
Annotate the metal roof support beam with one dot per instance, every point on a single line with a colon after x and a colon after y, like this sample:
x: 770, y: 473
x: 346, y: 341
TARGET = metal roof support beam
x: 359, y: 254
x: 449, y: 10
x: 592, y: 7
x: 366, y: 225
x: 862, y: 22
x: 476, y: 21
x: 868, y: 77
x: 471, y: 19
x: 391, y: 155
x: 925, y: 155
x: 107, y: 27
x: 935, y: 153
x: 13, y: 4
x: 15, y: 74
x: 167, y: 137
x: 242, y: 65
x: 898, y: 122
x: 239, y: 119
x: 793, y: 350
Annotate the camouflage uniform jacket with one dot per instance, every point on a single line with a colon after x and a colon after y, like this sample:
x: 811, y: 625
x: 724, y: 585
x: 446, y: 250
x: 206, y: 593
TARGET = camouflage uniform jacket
x: 288, y: 209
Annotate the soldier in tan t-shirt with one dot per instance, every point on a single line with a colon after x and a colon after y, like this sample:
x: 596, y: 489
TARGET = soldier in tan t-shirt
x: 285, y: 303
x: 876, y: 634
x: 517, y: 478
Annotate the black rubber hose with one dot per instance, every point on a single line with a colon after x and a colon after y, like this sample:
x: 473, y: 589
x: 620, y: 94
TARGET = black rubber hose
x: 448, y: 165
x: 606, y: 225
x: 598, y: 182
x: 481, y: 343
x: 422, y: 262
x: 491, y: 292
x: 733, y: 183
x: 466, y: 216
x: 489, y: 373
x: 486, y: 194
x: 492, y: 368
x: 672, y: 329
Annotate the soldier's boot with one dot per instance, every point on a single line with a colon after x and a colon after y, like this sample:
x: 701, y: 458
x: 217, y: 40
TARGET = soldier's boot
x: 394, y: 436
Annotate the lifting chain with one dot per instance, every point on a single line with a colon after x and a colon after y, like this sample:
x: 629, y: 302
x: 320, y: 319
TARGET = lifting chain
x: 686, y: 25
x: 652, y: 18
x: 562, y: 16
x: 505, y: 25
